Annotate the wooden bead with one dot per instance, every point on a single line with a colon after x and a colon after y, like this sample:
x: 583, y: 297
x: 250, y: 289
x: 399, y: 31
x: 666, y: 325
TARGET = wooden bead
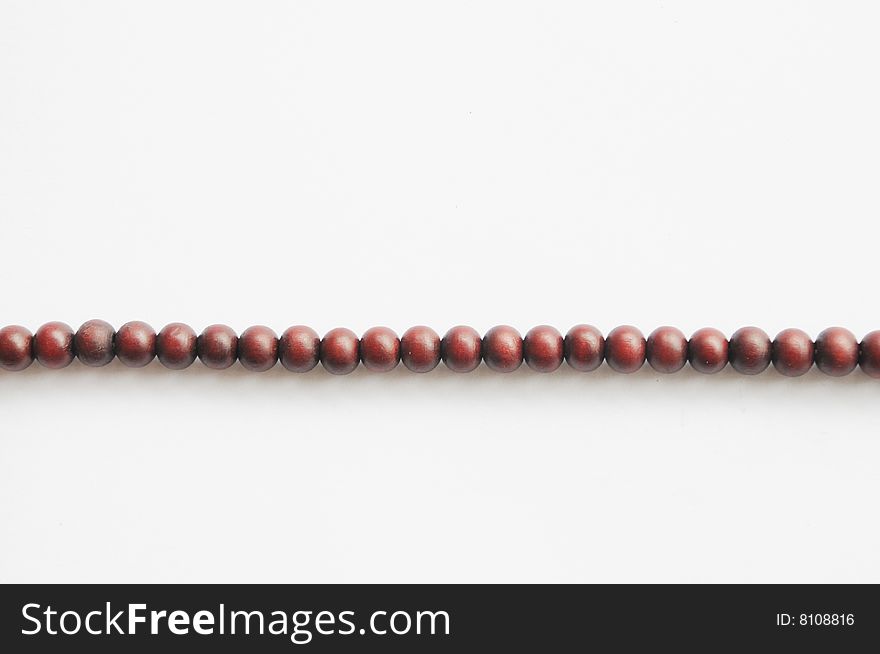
x: 258, y: 348
x: 176, y: 346
x: 869, y: 354
x: 543, y: 348
x: 380, y: 349
x: 420, y: 349
x: 340, y: 351
x: 299, y: 348
x: 666, y: 350
x: 217, y: 347
x: 792, y: 354
x: 707, y: 350
x: 750, y: 350
x: 53, y: 345
x: 625, y: 349
x: 584, y: 348
x: 16, y: 348
x: 93, y: 343
x: 836, y: 352
x: 461, y: 349
x: 503, y: 349
x: 135, y: 344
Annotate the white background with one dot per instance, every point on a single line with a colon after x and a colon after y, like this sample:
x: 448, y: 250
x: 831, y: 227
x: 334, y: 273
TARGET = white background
x: 355, y: 164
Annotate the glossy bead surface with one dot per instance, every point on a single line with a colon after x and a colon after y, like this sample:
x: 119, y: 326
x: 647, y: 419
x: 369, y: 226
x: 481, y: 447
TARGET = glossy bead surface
x: 707, y: 350
x: 93, y: 343
x: 53, y: 345
x: 666, y: 349
x: 792, y: 352
x: 340, y: 351
x: 543, y: 348
x: 135, y: 344
x: 176, y: 346
x: 869, y: 354
x: 16, y: 348
x: 750, y: 350
x: 258, y: 348
x: 461, y: 349
x: 217, y: 347
x: 380, y: 349
x: 584, y: 348
x: 625, y: 349
x: 299, y: 348
x: 503, y: 349
x: 836, y: 352
x: 420, y: 349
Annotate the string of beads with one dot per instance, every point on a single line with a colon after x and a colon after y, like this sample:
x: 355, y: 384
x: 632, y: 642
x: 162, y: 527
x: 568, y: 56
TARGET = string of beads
x: 835, y: 352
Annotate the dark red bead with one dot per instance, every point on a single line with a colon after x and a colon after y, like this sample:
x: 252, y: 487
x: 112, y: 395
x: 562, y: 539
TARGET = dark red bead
x: 420, y: 349
x: 666, y: 349
x: 53, y: 345
x: 93, y: 343
x: 16, y: 348
x: 135, y: 344
x: 836, y: 352
x: 380, y: 349
x: 340, y: 351
x: 299, y: 348
x: 869, y: 354
x: 543, y: 348
x: 461, y: 349
x: 707, y: 350
x: 792, y: 352
x: 176, y: 346
x: 625, y: 349
x: 217, y: 347
x: 584, y: 348
x: 503, y: 349
x: 258, y: 348
x: 750, y: 350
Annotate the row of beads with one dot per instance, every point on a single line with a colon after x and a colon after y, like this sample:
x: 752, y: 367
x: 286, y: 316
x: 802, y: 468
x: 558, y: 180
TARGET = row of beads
x: 750, y: 351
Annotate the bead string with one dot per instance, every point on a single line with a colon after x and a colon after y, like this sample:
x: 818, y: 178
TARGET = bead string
x: 749, y: 350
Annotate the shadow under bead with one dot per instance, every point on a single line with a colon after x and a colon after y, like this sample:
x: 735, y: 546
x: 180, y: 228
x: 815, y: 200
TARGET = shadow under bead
x: 93, y: 343
x: 503, y: 349
x: 625, y: 349
x: 836, y: 352
x: 543, y: 349
x: 176, y: 346
x: 420, y: 349
x: 299, y: 348
x: 666, y: 350
x: 750, y: 350
x: 16, y: 348
x: 461, y: 349
x: 217, y: 347
x: 258, y: 348
x: 792, y: 352
x: 340, y: 351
